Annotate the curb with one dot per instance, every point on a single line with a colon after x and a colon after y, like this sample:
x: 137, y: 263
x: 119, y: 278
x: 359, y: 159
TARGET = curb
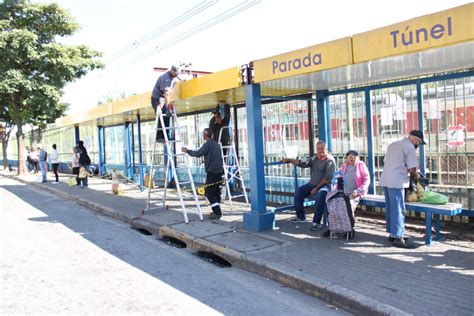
x: 332, y: 293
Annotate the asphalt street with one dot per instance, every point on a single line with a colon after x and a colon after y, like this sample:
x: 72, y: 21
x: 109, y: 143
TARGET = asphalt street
x: 58, y: 257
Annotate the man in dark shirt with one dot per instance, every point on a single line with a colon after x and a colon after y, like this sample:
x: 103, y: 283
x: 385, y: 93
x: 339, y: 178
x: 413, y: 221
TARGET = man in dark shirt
x: 213, y: 166
x: 221, y: 119
x: 323, y: 168
x: 164, y: 83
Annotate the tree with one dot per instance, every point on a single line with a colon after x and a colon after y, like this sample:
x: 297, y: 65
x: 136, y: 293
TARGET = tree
x: 35, y: 67
x: 6, y: 127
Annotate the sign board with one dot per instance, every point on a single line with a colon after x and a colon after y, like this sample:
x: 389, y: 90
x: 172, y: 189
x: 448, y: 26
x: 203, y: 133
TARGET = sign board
x: 400, y: 110
x: 310, y: 59
x: 434, y: 30
x: 386, y: 116
x: 456, y: 136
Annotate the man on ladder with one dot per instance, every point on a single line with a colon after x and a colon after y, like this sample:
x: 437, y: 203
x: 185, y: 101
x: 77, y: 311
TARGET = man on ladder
x: 213, y: 166
x: 221, y: 119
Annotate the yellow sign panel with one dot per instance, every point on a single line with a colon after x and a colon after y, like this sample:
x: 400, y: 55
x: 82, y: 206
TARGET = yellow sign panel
x: 217, y: 81
x: 438, y: 29
x: 315, y: 58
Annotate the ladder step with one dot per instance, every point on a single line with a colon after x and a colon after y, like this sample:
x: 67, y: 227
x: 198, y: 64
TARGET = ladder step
x: 184, y: 183
x: 230, y: 146
x: 237, y: 196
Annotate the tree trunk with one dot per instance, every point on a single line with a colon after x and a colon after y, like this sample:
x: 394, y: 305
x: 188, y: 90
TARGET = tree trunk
x: 4, y: 148
x: 20, y: 140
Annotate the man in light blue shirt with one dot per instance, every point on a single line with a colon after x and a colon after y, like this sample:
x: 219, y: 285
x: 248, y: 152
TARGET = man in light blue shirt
x: 400, y: 165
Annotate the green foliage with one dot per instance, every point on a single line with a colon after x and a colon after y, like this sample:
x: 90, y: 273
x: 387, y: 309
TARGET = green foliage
x: 34, y: 67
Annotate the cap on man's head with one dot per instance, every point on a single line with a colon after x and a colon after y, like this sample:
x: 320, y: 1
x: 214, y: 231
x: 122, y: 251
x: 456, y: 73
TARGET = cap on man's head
x: 418, y: 134
x: 352, y: 152
x: 176, y: 69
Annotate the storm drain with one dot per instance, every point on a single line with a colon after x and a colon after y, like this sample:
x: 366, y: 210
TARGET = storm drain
x: 142, y: 231
x: 175, y: 242
x: 214, y: 259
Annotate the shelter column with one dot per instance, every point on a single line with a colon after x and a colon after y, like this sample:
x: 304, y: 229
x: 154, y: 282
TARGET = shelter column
x: 128, y: 150
x: 419, y: 101
x: 258, y: 219
x: 324, y: 120
x: 370, y: 141
x: 76, y: 134
x: 140, y: 155
x: 101, y: 137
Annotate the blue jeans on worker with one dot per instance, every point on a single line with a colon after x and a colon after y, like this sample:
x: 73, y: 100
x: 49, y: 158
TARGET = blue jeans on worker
x: 395, y: 211
x: 303, y: 192
x: 43, y: 167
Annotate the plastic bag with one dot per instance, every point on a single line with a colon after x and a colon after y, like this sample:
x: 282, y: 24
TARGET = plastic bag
x: 430, y: 197
x: 71, y: 181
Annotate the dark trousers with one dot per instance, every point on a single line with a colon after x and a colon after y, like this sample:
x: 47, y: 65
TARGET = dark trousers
x: 303, y: 192
x: 213, y: 192
x: 55, y: 170
x: 166, y: 119
x: 75, y: 171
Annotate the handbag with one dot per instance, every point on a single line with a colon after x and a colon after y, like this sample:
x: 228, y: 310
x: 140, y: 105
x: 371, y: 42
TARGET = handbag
x: 82, y: 173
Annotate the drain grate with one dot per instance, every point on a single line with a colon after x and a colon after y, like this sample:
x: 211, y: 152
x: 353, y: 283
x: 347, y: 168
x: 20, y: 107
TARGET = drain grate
x: 142, y: 231
x: 214, y: 259
x: 175, y: 242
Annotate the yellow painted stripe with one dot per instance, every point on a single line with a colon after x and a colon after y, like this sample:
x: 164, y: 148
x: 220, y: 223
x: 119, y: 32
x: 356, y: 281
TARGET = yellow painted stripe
x: 310, y: 59
x: 439, y: 29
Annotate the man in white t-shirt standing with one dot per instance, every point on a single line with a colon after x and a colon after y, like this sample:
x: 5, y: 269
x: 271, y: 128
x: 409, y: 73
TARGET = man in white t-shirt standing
x: 400, y: 164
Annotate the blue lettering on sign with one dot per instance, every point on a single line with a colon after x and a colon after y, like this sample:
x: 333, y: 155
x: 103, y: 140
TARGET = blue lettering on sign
x: 406, y: 38
x: 297, y: 63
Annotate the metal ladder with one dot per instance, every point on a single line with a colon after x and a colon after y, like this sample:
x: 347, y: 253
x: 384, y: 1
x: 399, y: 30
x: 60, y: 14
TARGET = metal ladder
x: 170, y: 165
x: 231, y: 168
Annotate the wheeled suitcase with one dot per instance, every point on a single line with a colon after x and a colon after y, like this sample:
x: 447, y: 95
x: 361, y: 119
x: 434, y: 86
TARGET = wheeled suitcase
x: 341, y: 218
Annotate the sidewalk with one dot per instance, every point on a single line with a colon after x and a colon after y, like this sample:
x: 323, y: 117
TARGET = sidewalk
x: 365, y: 275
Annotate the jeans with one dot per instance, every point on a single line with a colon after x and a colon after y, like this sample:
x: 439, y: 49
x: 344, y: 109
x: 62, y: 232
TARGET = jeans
x: 395, y: 211
x: 303, y: 192
x: 42, y: 165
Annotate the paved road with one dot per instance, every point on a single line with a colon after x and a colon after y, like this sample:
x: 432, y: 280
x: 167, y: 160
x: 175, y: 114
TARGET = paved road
x: 58, y: 257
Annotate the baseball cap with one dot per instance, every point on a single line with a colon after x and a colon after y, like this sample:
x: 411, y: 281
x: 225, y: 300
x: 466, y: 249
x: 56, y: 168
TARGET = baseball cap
x: 418, y: 134
x: 352, y: 152
x: 176, y: 69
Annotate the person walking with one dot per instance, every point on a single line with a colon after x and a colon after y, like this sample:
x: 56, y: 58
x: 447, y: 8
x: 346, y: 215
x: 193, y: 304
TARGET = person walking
x: 84, y: 162
x: 213, y: 167
x: 323, y: 167
x: 75, y: 164
x: 42, y: 161
x: 400, y: 164
x: 54, y: 159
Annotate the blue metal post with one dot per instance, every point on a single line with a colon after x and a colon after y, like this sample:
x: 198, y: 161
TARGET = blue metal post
x: 258, y: 219
x: 324, y: 121
x: 140, y: 157
x: 76, y: 134
x: 128, y: 150
x: 101, y: 136
x: 419, y: 101
x: 370, y: 141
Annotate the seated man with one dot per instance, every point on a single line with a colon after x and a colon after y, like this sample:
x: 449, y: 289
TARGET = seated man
x: 322, y: 167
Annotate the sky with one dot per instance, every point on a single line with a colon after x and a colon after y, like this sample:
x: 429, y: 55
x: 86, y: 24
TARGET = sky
x: 211, y: 34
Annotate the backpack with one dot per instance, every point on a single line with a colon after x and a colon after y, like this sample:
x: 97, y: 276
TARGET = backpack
x: 341, y: 219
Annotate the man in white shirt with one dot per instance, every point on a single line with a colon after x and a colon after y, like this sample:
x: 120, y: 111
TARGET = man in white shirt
x: 54, y: 159
x: 400, y: 165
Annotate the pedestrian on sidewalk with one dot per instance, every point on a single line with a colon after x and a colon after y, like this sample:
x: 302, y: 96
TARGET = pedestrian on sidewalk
x: 34, y: 160
x: 84, y: 162
x: 400, y: 164
x: 323, y: 167
x: 213, y: 167
x: 75, y: 164
x: 54, y: 159
x: 42, y: 161
x: 356, y: 178
x: 29, y: 164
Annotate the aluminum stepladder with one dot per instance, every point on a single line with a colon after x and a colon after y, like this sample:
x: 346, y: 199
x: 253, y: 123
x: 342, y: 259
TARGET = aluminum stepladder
x: 231, y: 168
x: 170, y: 164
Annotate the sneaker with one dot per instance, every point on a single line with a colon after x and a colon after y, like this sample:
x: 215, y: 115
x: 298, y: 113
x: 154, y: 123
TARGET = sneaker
x: 44, y: 181
x: 402, y: 243
x: 391, y: 239
x: 297, y: 220
x: 316, y: 226
x: 55, y: 182
x: 214, y: 216
x: 326, y: 234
